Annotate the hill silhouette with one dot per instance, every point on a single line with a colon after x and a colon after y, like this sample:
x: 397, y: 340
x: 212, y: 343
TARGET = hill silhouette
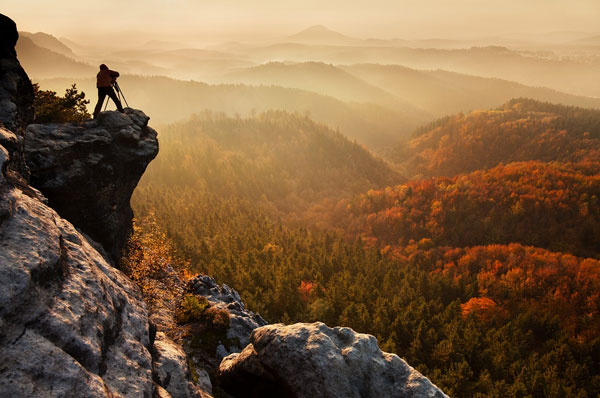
x: 442, y: 92
x: 42, y: 63
x: 319, y: 34
x: 572, y: 75
x: 320, y: 78
x: 50, y: 42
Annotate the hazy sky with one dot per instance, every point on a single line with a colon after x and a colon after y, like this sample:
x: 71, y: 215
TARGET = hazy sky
x: 363, y: 18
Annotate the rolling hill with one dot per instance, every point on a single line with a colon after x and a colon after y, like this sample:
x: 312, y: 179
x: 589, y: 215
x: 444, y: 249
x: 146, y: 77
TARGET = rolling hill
x: 548, y: 205
x: 441, y: 92
x: 282, y: 161
x: 520, y: 130
x: 319, y: 78
x: 50, y: 42
x: 574, y: 75
x: 42, y: 63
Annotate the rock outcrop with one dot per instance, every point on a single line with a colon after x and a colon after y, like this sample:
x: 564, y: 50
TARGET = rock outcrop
x: 313, y: 360
x: 89, y: 171
x: 243, y: 321
x: 70, y: 323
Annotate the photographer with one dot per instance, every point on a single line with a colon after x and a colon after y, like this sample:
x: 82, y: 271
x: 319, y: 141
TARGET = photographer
x: 104, y: 81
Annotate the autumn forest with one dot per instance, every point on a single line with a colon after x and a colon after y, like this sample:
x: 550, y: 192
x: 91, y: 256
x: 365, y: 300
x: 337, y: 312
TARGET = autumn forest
x: 472, y: 251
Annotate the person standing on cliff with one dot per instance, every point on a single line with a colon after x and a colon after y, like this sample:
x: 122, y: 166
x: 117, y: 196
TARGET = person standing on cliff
x: 104, y: 81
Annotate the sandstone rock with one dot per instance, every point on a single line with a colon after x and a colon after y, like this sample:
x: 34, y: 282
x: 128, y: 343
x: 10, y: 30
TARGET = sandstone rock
x: 88, y: 172
x: 171, y: 369
x: 243, y: 321
x: 70, y: 324
x: 313, y: 360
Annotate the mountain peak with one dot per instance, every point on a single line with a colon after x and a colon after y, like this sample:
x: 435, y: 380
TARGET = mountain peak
x: 318, y: 29
x: 320, y: 33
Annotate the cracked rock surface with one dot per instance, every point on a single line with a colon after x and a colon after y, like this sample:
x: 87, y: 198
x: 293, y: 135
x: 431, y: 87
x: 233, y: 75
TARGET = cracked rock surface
x: 243, y: 321
x: 313, y: 360
x: 71, y: 325
x: 89, y: 171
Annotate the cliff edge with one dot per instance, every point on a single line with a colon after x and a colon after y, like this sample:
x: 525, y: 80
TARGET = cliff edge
x: 88, y: 171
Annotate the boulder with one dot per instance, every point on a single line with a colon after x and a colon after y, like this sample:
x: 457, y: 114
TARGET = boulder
x: 313, y: 360
x: 88, y: 171
x: 70, y: 324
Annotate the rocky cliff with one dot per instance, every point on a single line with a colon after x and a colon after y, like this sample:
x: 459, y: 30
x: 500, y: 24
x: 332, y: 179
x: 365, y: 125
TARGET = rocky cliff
x: 72, y: 325
x: 88, y: 172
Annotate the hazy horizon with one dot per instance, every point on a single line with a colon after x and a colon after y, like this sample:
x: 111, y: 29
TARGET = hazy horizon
x: 232, y: 20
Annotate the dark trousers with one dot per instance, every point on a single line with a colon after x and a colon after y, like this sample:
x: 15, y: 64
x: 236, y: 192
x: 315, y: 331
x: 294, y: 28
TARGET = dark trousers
x: 102, y: 93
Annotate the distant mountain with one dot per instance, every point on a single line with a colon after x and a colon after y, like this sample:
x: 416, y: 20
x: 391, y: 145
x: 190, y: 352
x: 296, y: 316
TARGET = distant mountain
x: 441, y: 92
x: 50, y: 42
x: 320, y: 78
x: 572, y: 75
x: 42, y: 63
x: 424, y: 94
x: 319, y: 34
x: 587, y: 41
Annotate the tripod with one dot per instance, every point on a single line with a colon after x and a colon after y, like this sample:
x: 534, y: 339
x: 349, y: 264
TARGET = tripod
x: 120, y: 95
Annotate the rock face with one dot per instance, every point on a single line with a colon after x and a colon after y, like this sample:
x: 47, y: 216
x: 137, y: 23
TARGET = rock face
x: 243, y: 321
x: 88, y: 172
x: 313, y: 360
x: 70, y: 324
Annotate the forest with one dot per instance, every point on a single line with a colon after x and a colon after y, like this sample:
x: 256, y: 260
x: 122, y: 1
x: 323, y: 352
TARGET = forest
x: 487, y: 282
x: 520, y: 130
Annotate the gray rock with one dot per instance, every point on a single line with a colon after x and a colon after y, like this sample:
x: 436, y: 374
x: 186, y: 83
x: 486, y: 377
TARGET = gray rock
x: 313, y: 360
x: 171, y: 369
x: 243, y: 321
x: 89, y: 171
x: 70, y: 324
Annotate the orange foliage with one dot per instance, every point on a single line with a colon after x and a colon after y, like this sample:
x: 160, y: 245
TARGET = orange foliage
x: 546, y: 205
x: 482, y: 307
x: 307, y: 290
x: 513, y: 278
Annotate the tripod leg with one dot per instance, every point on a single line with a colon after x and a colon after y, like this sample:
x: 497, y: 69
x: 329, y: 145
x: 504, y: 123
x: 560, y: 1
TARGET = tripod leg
x: 106, y: 105
x: 121, y: 95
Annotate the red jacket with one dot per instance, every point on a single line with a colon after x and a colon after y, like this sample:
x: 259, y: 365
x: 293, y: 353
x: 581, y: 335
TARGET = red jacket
x: 106, y: 77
